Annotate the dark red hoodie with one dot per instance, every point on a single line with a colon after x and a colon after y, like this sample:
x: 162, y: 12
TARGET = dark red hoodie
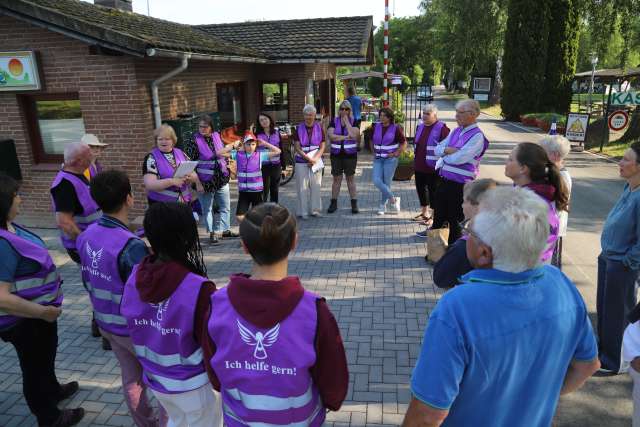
x: 156, y: 281
x: 544, y: 190
x: 265, y: 303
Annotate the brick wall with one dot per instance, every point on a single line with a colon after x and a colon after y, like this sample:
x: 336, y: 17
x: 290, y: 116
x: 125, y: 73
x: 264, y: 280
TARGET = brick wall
x: 109, y: 98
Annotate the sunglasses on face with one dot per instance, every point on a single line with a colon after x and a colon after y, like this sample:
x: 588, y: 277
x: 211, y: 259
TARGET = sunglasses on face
x: 345, y: 109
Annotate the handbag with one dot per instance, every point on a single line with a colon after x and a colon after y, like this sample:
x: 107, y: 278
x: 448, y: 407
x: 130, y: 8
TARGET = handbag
x: 437, y: 239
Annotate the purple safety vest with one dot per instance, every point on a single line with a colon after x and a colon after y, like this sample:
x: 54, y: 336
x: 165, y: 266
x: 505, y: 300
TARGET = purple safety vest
x: 350, y: 146
x: 41, y: 287
x: 249, y: 172
x: 305, y: 144
x: 273, y: 139
x: 165, y: 170
x: 94, y: 170
x: 206, y: 162
x: 264, y: 374
x: 99, y: 248
x: 554, y: 229
x: 432, y: 141
x: 90, y: 210
x: 162, y: 336
x: 383, y: 146
x: 467, y: 171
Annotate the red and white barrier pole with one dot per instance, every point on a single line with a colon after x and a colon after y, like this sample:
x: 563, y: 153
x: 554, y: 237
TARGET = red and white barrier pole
x: 385, y: 82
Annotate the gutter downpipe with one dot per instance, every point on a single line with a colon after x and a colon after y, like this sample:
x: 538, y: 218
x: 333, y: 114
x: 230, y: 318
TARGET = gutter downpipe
x: 155, y: 99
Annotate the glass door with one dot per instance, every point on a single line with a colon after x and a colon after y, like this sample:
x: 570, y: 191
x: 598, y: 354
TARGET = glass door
x: 231, y: 105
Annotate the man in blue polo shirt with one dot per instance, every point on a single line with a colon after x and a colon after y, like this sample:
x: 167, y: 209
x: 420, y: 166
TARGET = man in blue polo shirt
x: 501, y: 348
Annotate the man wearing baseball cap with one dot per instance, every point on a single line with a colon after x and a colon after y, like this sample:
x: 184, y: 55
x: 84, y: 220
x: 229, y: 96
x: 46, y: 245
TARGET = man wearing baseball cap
x: 97, y: 148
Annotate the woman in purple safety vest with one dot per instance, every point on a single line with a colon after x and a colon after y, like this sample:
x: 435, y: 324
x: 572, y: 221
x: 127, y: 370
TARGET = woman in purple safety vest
x: 30, y: 299
x: 161, y: 301
x: 271, y: 168
x: 528, y: 166
x: 158, y: 170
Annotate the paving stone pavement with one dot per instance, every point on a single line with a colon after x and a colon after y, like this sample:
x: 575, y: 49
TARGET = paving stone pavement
x: 370, y: 268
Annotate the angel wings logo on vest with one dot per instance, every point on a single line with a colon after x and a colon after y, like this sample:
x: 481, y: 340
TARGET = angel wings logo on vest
x: 94, y: 255
x: 259, y: 340
x: 161, y: 307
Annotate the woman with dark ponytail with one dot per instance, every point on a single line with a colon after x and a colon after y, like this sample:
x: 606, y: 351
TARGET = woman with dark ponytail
x: 163, y: 297
x: 266, y: 330
x: 529, y: 166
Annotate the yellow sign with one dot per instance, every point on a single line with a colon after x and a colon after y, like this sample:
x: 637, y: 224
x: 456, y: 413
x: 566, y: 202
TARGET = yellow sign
x: 18, y: 71
x: 577, y: 124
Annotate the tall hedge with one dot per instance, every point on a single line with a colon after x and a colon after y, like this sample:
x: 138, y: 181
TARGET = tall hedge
x: 525, y: 56
x: 562, y: 55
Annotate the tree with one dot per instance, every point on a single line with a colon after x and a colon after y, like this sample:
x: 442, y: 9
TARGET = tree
x: 525, y: 56
x: 562, y: 54
x: 417, y: 74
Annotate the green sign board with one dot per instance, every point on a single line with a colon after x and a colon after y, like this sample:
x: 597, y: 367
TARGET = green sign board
x: 625, y: 98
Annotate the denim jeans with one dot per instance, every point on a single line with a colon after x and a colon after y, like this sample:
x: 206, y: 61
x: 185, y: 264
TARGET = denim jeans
x: 220, y: 220
x: 383, y: 170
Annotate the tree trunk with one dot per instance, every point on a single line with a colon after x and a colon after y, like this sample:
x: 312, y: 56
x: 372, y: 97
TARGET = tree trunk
x: 633, y: 131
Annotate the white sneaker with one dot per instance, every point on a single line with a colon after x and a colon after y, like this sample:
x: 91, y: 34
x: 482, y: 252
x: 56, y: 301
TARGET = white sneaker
x: 396, y: 205
x: 382, y: 209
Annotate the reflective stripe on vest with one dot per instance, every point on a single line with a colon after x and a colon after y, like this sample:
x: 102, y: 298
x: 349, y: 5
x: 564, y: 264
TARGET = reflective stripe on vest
x: 386, y: 147
x: 51, y: 296
x: 432, y: 158
x: 89, y: 219
x: 305, y: 423
x: 179, y: 385
x: 338, y: 146
x: 252, y: 185
x: 263, y: 402
x: 249, y: 174
x: 22, y: 285
x: 110, y: 318
x: 459, y: 171
x: 103, y: 294
x: 169, y: 359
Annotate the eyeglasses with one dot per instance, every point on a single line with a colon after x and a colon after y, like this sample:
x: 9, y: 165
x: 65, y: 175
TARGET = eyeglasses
x: 463, y: 112
x: 345, y: 109
x: 465, y: 227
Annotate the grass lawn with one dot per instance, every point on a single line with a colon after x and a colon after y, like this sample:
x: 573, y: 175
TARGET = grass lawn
x: 613, y: 149
x: 492, y: 110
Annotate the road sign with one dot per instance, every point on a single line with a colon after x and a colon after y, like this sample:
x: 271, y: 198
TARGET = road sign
x: 577, y: 124
x: 618, y: 120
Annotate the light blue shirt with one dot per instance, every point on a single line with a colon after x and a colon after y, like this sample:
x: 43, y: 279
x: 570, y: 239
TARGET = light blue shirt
x: 264, y: 155
x: 12, y: 264
x: 356, y: 106
x: 620, y: 239
x: 497, y: 347
x: 467, y: 153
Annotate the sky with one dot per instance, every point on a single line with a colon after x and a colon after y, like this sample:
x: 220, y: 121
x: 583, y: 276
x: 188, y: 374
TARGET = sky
x: 224, y: 11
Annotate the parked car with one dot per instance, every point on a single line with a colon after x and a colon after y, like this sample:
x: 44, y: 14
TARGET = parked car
x: 424, y: 94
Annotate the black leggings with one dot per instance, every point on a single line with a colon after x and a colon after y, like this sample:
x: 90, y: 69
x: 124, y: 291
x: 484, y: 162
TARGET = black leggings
x: 448, y: 208
x: 271, y: 180
x: 426, y: 185
x: 36, y: 343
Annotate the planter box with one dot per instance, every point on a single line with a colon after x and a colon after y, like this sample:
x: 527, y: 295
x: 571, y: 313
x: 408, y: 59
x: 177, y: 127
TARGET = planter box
x: 529, y: 121
x: 544, y: 125
x: 404, y: 172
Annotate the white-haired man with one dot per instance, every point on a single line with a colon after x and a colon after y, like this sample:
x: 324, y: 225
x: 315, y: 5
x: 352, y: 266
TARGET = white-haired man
x: 459, y: 159
x: 500, y: 348
x: 72, y: 202
x: 309, y: 140
x: 428, y: 134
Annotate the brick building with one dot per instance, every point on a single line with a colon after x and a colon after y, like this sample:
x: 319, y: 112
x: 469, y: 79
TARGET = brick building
x: 97, y: 63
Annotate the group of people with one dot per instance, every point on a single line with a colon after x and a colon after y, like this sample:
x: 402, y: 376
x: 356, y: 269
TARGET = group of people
x: 212, y: 356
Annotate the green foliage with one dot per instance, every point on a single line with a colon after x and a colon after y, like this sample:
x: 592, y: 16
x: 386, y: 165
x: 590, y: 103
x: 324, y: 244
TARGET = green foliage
x: 562, y: 54
x: 525, y: 56
x: 417, y: 74
x: 375, y: 87
x: 406, y: 157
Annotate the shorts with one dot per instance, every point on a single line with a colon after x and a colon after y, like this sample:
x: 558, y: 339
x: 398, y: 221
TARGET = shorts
x: 343, y: 165
x: 247, y: 200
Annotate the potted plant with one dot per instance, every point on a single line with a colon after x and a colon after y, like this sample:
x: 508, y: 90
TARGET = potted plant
x: 404, y: 171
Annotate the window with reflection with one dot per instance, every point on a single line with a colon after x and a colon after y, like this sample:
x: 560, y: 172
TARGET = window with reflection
x: 275, y: 100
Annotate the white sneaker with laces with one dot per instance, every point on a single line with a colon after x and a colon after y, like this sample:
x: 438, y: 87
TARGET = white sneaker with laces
x: 382, y: 209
